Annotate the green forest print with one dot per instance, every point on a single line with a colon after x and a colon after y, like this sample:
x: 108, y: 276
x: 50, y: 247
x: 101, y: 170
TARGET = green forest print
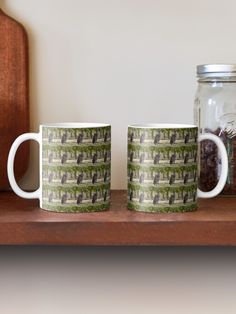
x: 162, y: 169
x: 76, y: 169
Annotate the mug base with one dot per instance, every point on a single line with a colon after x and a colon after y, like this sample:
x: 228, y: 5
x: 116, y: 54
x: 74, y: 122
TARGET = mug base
x: 83, y: 208
x: 159, y: 209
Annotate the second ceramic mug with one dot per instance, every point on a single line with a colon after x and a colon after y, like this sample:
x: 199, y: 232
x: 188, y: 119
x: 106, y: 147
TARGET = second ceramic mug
x: 163, y: 167
x: 75, y: 169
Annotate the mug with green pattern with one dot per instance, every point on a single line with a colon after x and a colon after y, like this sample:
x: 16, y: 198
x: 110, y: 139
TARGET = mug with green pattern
x: 163, y: 167
x: 75, y: 167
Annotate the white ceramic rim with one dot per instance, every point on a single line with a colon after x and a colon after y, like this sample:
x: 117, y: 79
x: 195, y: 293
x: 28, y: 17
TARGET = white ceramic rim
x: 162, y: 126
x: 77, y: 125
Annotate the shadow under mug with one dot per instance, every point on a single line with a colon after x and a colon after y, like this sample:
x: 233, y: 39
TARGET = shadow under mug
x: 75, y: 166
x: 163, y: 167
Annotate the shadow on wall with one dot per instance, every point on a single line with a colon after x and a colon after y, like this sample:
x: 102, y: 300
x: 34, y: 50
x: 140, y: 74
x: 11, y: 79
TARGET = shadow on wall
x: 1, y: 4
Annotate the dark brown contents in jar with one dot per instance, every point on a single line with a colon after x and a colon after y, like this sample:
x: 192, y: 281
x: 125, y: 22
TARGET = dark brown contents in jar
x: 208, y: 166
x: 210, y: 163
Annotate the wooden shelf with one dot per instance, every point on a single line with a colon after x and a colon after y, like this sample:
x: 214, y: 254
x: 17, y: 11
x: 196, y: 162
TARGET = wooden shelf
x: 23, y: 222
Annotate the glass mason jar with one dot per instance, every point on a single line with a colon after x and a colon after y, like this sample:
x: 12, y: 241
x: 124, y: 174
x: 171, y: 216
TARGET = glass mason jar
x: 215, y: 112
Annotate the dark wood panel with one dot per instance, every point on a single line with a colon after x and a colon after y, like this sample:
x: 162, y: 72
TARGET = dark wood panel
x: 23, y: 222
x: 14, y: 94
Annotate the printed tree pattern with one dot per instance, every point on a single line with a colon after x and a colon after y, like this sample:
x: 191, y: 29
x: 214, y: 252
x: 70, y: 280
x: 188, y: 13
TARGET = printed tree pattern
x: 76, y: 169
x: 162, y: 169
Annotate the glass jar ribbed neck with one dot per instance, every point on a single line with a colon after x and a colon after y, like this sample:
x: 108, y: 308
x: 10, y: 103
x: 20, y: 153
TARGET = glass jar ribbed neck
x: 217, y: 79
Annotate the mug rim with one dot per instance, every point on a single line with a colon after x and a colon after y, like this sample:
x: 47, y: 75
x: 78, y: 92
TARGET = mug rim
x: 75, y: 125
x: 162, y: 126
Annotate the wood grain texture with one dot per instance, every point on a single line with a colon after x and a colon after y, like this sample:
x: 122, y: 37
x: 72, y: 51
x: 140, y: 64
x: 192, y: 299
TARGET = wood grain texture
x: 23, y: 222
x: 14, y: 94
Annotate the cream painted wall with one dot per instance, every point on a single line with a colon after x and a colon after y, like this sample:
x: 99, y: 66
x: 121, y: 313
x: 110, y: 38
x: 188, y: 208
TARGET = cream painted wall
x: 117, y: 280
x: 119, y: 61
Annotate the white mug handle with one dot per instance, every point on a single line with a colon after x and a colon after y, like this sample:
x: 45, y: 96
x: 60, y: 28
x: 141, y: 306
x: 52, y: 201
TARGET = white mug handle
x: 224, y: 163
x: 10, y: 165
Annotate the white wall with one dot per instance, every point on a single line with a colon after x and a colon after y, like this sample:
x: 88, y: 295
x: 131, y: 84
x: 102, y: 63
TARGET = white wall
x: 120, y: 61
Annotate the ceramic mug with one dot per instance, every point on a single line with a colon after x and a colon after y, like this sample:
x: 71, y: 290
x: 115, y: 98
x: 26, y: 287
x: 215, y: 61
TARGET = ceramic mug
x: 163, y: 167
x: 75, y: 166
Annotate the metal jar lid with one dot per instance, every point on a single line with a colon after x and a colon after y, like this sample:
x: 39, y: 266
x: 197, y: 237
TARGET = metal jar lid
x: 216, y: 70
